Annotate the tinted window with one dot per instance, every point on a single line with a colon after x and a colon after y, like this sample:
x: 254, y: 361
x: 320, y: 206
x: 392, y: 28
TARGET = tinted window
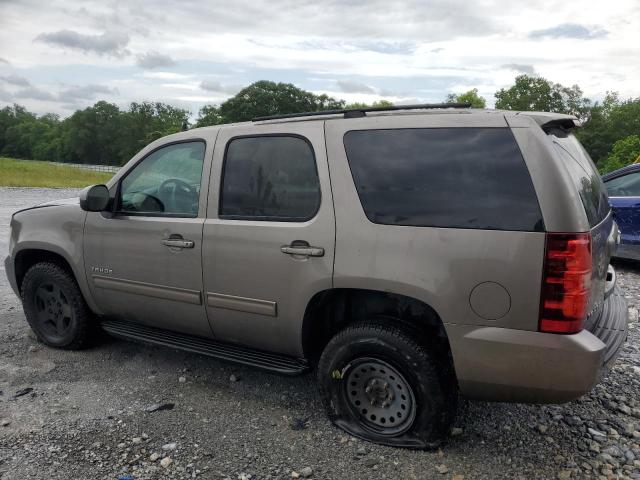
x: 443, y: 177
x: 166, y: 182
x: 624, y: 186
x: 270, y: 178
x: 585, y: 176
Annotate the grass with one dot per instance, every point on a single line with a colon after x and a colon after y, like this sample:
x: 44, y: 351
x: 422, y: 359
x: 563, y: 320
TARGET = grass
x: 33, y: 173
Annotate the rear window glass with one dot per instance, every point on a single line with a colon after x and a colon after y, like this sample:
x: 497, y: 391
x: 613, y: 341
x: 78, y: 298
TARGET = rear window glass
x: 443, y: 177
x: 585, y: 176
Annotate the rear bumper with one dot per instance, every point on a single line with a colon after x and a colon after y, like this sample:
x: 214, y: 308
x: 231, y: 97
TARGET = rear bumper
x: 499, y: 364
x: 611, y: 326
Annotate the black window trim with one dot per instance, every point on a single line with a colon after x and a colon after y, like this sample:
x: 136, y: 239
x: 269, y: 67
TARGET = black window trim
x: 258, y: 218
x: 124, y: 213
x: 539, y: 227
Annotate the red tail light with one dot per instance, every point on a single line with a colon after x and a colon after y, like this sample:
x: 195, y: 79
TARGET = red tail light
x: 566, y: 282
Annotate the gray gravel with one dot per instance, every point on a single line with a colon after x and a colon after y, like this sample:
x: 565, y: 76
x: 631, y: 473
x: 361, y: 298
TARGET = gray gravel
x: 97, y: 415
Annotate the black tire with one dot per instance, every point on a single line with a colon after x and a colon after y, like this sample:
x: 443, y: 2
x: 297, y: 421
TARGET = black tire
x: 55, y: 307
x: 379, y: 384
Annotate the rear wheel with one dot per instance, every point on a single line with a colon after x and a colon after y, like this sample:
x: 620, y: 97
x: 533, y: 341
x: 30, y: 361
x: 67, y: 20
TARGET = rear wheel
x: 378, y: 383
x: 55, y: 308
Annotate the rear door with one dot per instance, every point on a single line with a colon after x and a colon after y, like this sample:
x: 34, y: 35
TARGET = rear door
x: 268, y: 240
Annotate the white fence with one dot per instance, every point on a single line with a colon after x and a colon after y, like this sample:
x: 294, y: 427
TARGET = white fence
x: 94, y: 168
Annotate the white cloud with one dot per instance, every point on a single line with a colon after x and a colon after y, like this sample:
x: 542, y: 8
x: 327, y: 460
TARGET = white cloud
x: 107, y: 43
x: 352, y: 86
x: 569, y: 30
x: 13, y: 79
x: 216, y: 86
x: 165, y: 75
x: 151, y: 60
x: 34, y: 93
x: 521, y: 68
x: 195, y: 52
x: 77, y: 93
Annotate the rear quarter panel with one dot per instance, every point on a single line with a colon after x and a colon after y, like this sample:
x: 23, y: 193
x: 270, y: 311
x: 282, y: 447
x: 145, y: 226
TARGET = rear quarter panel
x: 562, y: 208
x: 439, y: 266
x: 559, y: 201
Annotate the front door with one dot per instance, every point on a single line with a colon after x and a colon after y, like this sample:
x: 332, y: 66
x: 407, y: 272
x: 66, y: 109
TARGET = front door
x: 143, y: 261
x: 268, y: 242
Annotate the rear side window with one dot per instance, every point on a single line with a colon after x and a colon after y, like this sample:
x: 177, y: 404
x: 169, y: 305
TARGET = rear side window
x: 269, y: 178
x: 584, y: 174
x: 443, y: 177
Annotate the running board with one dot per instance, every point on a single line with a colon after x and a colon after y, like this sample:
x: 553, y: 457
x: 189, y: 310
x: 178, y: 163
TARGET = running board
x: 223, y: 351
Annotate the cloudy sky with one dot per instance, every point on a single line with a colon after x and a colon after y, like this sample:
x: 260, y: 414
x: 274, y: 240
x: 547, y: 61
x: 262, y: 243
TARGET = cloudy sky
x: 61, y: 55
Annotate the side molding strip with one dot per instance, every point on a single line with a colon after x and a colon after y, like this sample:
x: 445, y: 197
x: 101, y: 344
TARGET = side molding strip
x: 148, y: 289
x: 243, y: 304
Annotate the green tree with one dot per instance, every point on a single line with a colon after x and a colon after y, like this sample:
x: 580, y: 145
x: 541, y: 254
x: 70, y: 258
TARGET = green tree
x: 145, y: 122
x: 47, y: 145
x: 610, y: 121
x: 10, y: 118
x: 94, y: 135
x: 471, y: 97
x: 360, y: 105
x: 539, y: 94
x: 624, y: 152
x: 269, y: 98
x: 209, y: 115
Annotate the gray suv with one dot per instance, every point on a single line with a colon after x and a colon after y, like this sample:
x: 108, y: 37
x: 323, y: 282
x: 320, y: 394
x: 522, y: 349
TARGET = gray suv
x: 408, y: 255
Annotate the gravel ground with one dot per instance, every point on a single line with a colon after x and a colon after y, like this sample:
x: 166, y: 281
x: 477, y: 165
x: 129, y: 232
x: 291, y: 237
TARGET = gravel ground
x: 83, y: 415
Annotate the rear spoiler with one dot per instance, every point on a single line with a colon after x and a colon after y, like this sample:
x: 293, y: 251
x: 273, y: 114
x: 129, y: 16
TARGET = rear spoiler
x: 562, y: 124
x: 553, y: 121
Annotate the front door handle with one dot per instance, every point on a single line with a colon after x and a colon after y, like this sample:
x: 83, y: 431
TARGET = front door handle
x: 300, y: 247
x: 305, y: 251
x: 176, y: 241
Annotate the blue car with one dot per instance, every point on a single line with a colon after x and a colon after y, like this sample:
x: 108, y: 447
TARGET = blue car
x: 623, y: 186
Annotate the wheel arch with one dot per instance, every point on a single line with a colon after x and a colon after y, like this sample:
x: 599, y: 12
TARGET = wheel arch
x: 26, y: 257
x: 329, y: 311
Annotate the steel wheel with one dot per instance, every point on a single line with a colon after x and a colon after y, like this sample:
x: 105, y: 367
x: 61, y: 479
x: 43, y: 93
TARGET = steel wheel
x: 377, y: 383
x: 380, y: 396
x: 53, y: 310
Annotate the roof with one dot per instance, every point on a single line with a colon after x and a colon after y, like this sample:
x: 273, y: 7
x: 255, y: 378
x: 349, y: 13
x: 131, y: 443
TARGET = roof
x: 541, y: 118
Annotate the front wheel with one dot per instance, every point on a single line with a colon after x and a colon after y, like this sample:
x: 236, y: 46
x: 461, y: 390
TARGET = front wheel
x: 378, y: 383
x: 55, y: 307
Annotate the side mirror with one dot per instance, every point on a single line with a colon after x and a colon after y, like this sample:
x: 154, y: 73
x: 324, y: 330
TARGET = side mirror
x: 94, y: 198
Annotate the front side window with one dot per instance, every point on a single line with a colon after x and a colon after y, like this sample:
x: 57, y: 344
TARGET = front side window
x: 166, y: 182
x: 269, y: 178
x: 624, y: 186
x: 443, y: 177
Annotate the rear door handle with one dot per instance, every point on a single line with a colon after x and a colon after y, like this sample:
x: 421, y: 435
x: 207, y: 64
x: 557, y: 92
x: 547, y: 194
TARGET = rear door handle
x: 302, y: 248
x: 176, y: 241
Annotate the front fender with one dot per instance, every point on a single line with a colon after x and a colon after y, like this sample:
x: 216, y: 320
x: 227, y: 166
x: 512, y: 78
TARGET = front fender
x: 57, y: 229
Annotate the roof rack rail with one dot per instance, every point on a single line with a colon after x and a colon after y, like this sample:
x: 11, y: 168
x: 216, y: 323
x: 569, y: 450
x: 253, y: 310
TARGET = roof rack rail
x: 362, y: 112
